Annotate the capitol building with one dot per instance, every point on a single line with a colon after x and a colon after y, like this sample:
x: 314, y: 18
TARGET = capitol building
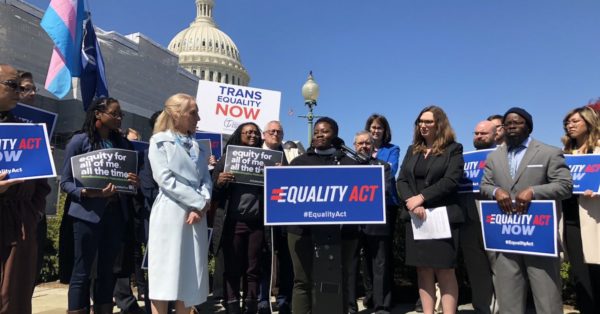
x: 140, y: 73
x: 207, y: 52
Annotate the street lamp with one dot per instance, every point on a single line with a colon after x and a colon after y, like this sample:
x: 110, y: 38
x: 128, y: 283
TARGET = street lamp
x: 310, y: 92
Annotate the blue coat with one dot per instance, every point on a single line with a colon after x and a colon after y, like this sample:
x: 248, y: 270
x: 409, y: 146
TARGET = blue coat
x: 178, y: 252
x: 390, y: 153
x: 88, y: 209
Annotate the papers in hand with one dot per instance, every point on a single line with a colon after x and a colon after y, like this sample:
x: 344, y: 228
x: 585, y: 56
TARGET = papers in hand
x: 435, y: 226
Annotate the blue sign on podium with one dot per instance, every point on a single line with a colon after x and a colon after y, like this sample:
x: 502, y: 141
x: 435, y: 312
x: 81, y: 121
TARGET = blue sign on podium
x: 324, y: 195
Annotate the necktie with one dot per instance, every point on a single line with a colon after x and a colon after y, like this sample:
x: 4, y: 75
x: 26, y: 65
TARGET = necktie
x: 512, y: 159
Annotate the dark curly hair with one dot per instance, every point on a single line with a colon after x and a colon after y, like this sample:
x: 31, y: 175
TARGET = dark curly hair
x: 89, y: 124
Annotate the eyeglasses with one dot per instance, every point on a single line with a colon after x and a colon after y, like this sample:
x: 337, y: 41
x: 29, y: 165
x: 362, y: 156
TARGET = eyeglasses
x: 12, y: 84
x: 248, y: 133
x: 115, y: 115
x: 567, y: 123
x: 28, y: 89
x: 363, y: 143
x: 426, y: 122
x: 274, y: 132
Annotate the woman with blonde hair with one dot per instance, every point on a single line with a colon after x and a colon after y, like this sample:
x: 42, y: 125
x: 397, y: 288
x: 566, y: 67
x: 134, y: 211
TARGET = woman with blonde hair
x: 429, y: 176
x: 178, y: 239
x: 582, y: 212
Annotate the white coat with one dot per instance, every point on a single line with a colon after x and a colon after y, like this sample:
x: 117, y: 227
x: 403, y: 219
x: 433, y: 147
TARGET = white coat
x: 178, y: 252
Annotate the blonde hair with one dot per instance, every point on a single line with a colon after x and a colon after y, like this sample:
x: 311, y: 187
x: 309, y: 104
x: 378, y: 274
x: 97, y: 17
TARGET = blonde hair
x: 444, y: 135
x: 592, y: 123
x: 174, y: 105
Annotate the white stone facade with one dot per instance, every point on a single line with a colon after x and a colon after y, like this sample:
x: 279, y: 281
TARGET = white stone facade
x: 207, y: 52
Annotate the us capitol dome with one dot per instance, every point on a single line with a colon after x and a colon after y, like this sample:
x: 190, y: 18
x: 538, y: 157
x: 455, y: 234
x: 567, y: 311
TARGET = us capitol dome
x: 207, y: 52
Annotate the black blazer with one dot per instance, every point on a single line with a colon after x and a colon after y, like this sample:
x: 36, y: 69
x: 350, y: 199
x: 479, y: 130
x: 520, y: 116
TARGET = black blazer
x: 441, y: 182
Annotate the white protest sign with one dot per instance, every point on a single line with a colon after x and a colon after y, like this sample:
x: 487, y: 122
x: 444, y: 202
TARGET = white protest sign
x: 223, y: 107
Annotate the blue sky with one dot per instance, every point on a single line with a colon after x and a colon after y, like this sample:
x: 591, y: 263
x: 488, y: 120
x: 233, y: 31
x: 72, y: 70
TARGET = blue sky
x: 472, y: 58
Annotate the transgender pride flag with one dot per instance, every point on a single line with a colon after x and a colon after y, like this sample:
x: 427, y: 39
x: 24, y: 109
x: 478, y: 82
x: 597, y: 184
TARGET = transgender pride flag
x: 63, y: 21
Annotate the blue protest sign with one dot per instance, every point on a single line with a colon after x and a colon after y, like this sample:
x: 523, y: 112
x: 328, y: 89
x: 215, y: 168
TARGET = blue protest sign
x: 216, y: 142
x: 533, y: 233
x: 585, y: 170
x: 25, y: 151
x: 30, y: 114
x: 473, y: 170
x: 322, y: 195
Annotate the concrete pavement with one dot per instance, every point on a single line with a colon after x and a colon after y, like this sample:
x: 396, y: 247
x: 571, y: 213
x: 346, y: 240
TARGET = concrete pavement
x: 51, y: 298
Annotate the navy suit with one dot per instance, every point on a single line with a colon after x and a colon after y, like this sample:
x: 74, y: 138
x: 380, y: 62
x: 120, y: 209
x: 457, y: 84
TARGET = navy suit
x: 97, y: 229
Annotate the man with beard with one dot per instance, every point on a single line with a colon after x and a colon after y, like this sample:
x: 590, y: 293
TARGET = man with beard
x: 524, y: 170
x: 485, y: 135
x: 478, y: 262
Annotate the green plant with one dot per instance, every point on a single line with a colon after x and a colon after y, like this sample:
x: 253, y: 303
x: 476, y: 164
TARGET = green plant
x: 49, y: 270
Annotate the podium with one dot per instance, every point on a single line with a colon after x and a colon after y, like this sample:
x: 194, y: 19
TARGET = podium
x: 328, y: 290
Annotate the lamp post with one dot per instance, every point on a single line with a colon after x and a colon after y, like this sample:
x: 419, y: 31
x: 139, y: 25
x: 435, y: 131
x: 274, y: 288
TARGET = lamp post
x: 310, y: 92
x: 327, y: 255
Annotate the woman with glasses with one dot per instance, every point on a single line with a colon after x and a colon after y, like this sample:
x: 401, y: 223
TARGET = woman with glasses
x: 178, y: 239
x: 429, y: 176
x: 97, y: 215
x: 377, y: 239
x: 28, y: 88
x: 582, y: 213
x: 383, y: 149
x: 238, y: 225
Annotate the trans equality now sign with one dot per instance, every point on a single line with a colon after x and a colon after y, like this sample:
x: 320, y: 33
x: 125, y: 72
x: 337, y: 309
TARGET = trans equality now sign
x: 532, y: 233
x: 324, y: 195
x: 223, y: 107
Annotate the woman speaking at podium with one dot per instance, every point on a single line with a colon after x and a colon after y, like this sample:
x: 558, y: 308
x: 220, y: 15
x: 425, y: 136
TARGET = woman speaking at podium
x: 321, y: 153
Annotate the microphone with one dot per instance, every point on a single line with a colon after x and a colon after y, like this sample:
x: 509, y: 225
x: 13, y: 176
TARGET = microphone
x: 339, y: 144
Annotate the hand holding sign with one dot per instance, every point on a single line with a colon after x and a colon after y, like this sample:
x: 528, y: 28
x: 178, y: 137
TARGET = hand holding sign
x: 5, y: 184
x: 523, y: 199
x: 504, y: 200
x: 108, y: 191
x: 133, y: 179
x: 224, y: 178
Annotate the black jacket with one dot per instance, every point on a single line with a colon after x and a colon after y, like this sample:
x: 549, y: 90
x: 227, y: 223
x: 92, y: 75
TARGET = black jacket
x: 441, y: 182
x: 313, y: 159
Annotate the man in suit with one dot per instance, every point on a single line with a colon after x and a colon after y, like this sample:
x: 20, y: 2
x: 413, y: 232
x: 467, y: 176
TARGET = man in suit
x: 376, y: 240
x: 478, y: 262
x: 284, y: 273
x: 524, y: 169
